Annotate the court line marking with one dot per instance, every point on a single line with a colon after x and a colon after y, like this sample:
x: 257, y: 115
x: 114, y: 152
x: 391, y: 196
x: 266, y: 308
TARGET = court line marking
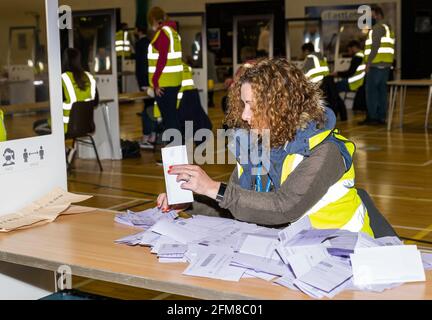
x: 83, y: 283
x: 400, y: 198
x: 423, y: 233
x: 121, y: 205
x: 160, y: 177
x: 411, y: 228
x: 161, y: 296
x: 113, y: 196
x: 121, y: 174
x: 424, y: 164
x: 391, y: 185
x: 385, y: 147
x: 223, y: 175
x: 100, y: 186
x: 388, y: 137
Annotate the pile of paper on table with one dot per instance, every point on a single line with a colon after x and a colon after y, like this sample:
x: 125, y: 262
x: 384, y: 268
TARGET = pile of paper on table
x: 318, y: 262
x: 144, y: 219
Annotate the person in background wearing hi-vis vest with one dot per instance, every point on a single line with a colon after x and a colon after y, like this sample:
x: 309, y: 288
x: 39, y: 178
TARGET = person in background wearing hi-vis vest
x: 315, y: 65
x: 78, y: 86
x: 123, y: 46
x: 317, y: 70
x: 141, y: 71
x: 3, y: 135
x: 188, y: 104
x: 165, y: 66
x: 124, y: 50
x: 310, y: 171
x: 353, y: 78
x: 379, y: 56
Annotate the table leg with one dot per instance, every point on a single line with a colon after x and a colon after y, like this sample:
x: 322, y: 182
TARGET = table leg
x: 390, y: 111
x: 402, y: 104
x: 428, y: 107
x: 105, y: 111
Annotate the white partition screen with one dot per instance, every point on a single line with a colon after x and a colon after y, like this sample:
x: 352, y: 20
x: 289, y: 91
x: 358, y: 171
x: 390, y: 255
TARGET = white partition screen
x: 32, y: 166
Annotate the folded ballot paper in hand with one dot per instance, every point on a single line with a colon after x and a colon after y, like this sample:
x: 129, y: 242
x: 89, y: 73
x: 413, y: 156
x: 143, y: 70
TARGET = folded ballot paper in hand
x: 175, y: 156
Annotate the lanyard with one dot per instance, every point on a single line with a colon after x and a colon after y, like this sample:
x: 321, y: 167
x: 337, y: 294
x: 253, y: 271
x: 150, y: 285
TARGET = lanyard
x: 258, y: 181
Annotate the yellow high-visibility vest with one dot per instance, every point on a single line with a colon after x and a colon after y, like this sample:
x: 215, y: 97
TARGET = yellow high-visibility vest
x: 172, y: 73
x: 357, y: 79
x: 3, y: 135
x: 386, y: 49
x: 341, y: 207
x: 187, y: 83
x: 320, y: 69
x: 122, y: 44
x: 74, y: 94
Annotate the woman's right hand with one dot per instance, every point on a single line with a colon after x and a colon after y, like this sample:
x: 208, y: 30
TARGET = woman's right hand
x: 162, y: 203
x: 159, y: 91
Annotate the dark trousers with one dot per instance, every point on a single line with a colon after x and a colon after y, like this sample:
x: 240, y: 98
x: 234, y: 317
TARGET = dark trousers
x: 359, y: 100
x: 191, y: 110
x: 342, y: 86
x: 148, y: 123
x: 376, y: 93
x: 168, y: 107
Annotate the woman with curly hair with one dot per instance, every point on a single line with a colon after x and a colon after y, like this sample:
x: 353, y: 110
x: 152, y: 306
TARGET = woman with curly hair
x: 310, y: 171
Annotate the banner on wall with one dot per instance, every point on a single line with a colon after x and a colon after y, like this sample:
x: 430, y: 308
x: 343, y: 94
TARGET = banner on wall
x: 333, y: 17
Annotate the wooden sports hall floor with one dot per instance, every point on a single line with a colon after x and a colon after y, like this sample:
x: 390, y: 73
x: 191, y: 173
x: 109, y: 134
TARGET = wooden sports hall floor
x: 394, y: 167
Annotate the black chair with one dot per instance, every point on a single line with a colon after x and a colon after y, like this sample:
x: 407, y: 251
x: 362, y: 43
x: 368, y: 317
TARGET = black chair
x: 81, y: 125
x: 359, y: 103
x: 380, y: 226
x: 331, y: 96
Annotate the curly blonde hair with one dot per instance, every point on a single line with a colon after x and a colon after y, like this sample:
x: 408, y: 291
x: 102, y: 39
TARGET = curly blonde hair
x: 284, y: 100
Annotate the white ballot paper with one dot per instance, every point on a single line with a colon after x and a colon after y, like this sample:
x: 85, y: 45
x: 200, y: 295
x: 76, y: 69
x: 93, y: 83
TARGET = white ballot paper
x: 261, y: 246
x: 427, y: 260
x: 259, y: 264
x: 383, y: 265
x: 294, y: 228
x: 173, y: 156
x: 327, y: 275
x: 302, y: 262
x: 215, y: 264
x: 178, y: 230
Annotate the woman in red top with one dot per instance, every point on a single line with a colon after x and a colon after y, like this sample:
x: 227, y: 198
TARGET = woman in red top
x: 165, y: 67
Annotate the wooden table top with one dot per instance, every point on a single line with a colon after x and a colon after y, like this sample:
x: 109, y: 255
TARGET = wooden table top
x: 26, y: 107
x: 411, y: 82
x: 85, y: 242
x: 132, y: 96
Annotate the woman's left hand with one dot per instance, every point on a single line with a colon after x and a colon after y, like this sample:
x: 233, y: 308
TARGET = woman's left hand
x: 196, y: 180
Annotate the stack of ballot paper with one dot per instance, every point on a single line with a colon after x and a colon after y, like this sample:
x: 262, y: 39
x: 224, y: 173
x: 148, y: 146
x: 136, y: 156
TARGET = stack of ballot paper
x: 318, y: 262
x: 144, y: 219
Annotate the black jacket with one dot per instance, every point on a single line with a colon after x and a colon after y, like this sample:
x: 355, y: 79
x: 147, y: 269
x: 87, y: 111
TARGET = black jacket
x: 141, y: 62
x: 355, y: 62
